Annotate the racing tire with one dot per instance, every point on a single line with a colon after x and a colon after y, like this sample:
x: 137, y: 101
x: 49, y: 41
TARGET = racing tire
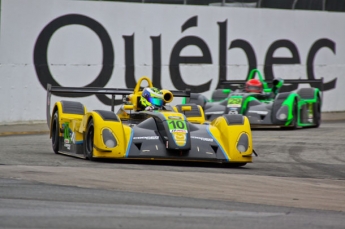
x: 88, y: 141
x: 317, y: 114
x: 55, y: 132
x: 294, y: 124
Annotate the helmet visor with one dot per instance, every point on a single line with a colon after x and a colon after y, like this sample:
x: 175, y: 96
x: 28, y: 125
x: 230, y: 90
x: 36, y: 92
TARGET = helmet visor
x: 253, y: 89
x: 156, y: 101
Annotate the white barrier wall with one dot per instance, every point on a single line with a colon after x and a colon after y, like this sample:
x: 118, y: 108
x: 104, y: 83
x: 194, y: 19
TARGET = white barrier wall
x: 110, y: 44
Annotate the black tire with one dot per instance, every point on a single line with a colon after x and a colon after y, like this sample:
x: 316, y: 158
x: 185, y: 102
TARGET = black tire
x: 55, y: 132
x: 88, y: 141
x: 317, y: 113
x: 293, y: 125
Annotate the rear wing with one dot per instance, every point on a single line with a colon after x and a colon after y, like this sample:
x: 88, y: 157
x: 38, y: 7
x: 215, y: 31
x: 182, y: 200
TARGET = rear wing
x: 87, y: 91
x: 289, y: 84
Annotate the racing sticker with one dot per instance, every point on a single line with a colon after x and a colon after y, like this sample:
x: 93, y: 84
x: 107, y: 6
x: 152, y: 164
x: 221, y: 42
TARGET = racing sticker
x: 234, y: 102
x: 146, y: 138
x: 178, y: 129
x: 310, y: 112
x: 67, y: 135
x: 175, y: 117
x: 202, y: 138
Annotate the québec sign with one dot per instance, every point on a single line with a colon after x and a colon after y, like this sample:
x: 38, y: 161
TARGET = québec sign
x: 44, y: 74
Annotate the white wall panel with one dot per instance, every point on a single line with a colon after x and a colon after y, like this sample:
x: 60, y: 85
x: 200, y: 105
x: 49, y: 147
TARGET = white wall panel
x: 75, y: 52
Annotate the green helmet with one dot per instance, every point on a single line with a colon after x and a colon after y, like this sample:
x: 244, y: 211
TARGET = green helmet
x: 153, y: 95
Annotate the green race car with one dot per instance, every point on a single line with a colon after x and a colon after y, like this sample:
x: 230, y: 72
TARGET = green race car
x: 263, y: 102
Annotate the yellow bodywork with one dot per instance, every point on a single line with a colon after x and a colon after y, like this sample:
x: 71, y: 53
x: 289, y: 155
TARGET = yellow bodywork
x: 228, y: 137
x: 73, y: 120
x: 121, y: 133
x: 78, y: 125
x: 193, y: 119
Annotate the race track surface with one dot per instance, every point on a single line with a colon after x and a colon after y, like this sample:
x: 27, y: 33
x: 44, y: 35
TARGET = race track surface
x: 297, y: 181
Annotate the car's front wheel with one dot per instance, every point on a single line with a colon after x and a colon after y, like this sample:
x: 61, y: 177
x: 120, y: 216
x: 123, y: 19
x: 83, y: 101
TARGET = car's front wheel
x: 317, y: 113
x: 88, y: 141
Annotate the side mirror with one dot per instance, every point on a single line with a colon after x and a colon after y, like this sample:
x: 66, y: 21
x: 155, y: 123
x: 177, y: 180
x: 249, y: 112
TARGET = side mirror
x: 278, y: 82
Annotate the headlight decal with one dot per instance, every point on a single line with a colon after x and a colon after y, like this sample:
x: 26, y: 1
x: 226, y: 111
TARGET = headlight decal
x: 220, y: 146
x: 108, y: 138
x: 243, y: 143
x: 283, y: 113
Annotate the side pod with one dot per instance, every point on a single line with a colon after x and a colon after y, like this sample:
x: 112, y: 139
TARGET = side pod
x: 106, y: 125
x: 235, y: 137
x: 67, y: 112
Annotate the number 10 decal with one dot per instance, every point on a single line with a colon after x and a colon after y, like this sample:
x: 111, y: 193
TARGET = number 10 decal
x: 176, y: 124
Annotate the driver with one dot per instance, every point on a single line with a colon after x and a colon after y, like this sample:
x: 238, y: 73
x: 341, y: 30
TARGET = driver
x: 151, y: 99
x: 253, y: 86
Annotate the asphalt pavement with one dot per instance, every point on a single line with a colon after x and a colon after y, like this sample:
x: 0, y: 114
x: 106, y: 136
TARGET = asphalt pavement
x: 41, y: 127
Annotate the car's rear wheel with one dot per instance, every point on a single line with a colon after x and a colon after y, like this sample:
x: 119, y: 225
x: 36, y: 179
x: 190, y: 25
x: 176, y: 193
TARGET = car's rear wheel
x: 317, y: 113
x: 88, y: 141
x: 55, y: 132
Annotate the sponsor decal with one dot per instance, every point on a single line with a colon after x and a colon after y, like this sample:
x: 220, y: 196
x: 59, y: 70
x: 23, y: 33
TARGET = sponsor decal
x: 259, y: 112
x: 214, y: 112
x: 181, y: 131
x: 73, y: 137
x: 67, y: 133
x: 68, y: 146
x: 177, y: 126
x: 202, y: 139
x: 180, y: 138
x: 178, y: 130
x: 310, y: 112
x: 234, y: 102
x: 175, y: 117
x: 146, y: 138
x: 233, y: 112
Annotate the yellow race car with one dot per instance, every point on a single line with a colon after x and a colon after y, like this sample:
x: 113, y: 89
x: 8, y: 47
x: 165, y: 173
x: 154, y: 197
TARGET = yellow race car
x: 177, y: 133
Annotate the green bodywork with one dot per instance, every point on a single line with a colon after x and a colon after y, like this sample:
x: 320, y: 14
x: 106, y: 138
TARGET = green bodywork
x: 67, y: 132
x: 289, y: 102
x: 242, y: 101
